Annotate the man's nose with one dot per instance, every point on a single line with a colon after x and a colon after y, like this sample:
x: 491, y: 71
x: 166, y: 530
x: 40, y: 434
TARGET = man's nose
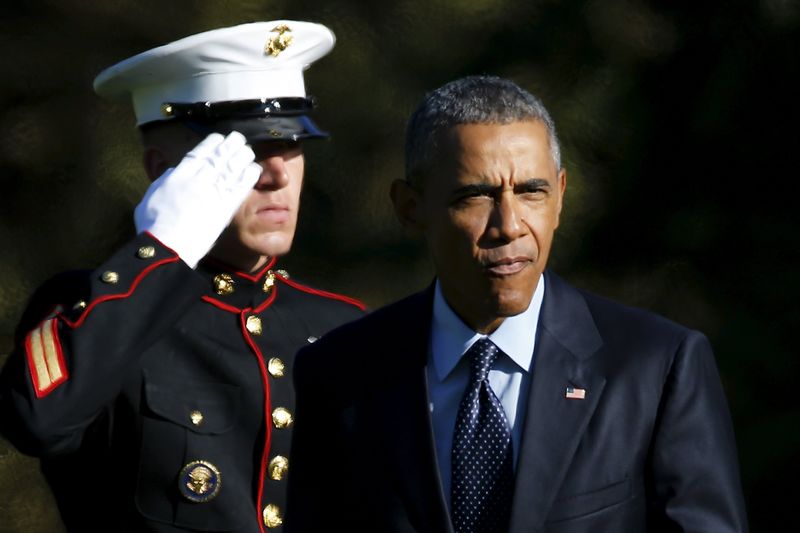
x: 274, y: 173
x: 506, y: 221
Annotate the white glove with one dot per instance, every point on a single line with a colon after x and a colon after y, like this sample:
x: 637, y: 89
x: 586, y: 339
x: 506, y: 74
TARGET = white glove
x: 189, y: 205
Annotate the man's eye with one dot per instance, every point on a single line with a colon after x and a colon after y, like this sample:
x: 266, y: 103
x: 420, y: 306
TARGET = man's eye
x: 533, y: 192
x: 480, y: 194
x: 293, y: 145
x: 286, y: 146
x: 474, y: 195
x: 468, y: 198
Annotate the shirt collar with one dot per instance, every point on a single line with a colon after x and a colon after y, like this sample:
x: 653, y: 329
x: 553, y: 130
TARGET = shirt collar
x: 451, y: 338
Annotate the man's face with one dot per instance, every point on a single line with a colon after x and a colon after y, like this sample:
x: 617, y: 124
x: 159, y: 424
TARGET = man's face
x: 265, y: 223
x: 488, y: 210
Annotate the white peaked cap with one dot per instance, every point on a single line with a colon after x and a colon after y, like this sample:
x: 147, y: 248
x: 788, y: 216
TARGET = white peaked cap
x: 249, y: 61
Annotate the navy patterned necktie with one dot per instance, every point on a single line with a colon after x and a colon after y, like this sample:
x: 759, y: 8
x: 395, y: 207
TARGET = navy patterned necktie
x: 482, y: 458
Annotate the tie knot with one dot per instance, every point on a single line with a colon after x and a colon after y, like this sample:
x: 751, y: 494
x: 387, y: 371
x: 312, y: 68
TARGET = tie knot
x: 482, y: 356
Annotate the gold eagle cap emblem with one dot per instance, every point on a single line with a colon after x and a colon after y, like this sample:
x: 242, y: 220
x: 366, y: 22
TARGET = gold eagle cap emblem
x: 280, y: 42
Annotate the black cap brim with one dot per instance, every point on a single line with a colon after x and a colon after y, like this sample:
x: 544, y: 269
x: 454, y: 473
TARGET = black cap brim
x: 260, y: 129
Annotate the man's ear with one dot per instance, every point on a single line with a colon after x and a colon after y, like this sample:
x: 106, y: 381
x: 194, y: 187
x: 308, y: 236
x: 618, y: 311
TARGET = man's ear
x: 407, y: 203
x: 155, y: 162
x: 562, y: 186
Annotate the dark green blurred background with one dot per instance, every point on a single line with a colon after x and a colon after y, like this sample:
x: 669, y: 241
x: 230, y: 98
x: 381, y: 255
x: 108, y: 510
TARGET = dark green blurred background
x: 679, y: 125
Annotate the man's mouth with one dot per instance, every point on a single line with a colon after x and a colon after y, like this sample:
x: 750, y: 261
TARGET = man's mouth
x: 274, y: 213
x: 508, y: 266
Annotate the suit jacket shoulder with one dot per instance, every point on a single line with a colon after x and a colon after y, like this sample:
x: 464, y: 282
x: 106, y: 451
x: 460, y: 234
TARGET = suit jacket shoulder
x: 323, y: 310
x: 368, y: 347
x: 609, y: 314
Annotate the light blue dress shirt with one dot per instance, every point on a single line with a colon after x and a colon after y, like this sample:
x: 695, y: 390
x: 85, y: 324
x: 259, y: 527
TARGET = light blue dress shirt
x: 448, y: 372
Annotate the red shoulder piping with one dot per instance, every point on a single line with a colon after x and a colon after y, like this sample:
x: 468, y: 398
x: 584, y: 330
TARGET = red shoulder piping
x: 120, y: 296
x: 325, y: 294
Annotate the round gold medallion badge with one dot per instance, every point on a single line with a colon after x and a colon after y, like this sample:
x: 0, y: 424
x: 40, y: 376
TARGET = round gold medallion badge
x: 199, y: 481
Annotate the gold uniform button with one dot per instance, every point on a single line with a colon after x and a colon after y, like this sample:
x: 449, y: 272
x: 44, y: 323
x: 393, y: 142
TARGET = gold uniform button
x: 282, y: 418
x: 253, y: 325
x: 110, y: 277
x: 276, y: 367
x: 272, y: 516
x: 278, y: 467
x: 223, y: 284
x: 80, y: 304
x: 196, y: 417
x: 145, y: 252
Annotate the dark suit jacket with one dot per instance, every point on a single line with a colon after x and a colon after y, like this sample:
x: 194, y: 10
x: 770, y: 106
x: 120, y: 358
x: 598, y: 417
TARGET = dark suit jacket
x: 650, y: 448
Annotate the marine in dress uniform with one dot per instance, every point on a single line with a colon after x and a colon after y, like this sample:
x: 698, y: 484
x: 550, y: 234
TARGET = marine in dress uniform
x: 157, y: 388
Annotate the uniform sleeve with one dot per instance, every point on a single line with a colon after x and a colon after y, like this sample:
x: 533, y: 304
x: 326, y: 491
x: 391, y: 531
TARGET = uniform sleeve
x: 694, y: 460
x: 72, y: 363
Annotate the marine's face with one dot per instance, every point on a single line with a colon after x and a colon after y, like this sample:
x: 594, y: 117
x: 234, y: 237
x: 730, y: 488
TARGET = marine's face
x: 488, y: 211
x: 265, y: 224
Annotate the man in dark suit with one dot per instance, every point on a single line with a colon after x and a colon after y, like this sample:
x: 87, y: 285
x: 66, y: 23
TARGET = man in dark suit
x: 501, y: 398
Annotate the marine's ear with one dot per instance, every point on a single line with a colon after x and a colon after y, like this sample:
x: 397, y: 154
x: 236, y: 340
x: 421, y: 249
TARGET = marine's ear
x: 155, y: 162
x: 165, y: 144
x: 407, y: 202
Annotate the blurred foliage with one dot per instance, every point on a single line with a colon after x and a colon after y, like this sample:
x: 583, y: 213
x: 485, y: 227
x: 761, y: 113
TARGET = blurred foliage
x: 678, y: 121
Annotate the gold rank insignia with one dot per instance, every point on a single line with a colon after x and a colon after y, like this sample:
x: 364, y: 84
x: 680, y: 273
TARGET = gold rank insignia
x: 280, y: 42
x: 199, y: 481
x: 269, y: 282
x: 223, y: 284
x: 45, y: 358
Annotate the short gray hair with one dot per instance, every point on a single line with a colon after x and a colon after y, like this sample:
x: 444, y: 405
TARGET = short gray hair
x: 471, y: 100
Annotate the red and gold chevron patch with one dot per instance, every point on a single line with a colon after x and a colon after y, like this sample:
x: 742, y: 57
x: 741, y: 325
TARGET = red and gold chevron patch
x: 45, y: 358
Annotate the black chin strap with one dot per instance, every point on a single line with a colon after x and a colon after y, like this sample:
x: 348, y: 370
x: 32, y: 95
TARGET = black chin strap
x: 260, y: 107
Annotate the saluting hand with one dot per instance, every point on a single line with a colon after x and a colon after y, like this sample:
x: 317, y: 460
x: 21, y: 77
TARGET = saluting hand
x: 188, y: 206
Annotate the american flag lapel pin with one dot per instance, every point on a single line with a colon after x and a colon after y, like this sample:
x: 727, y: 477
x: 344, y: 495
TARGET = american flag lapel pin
x: 574, y: 393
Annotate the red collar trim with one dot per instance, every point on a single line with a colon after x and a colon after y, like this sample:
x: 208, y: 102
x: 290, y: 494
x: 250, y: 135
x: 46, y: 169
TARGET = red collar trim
x: 255, y: 278
x: 232, y: 309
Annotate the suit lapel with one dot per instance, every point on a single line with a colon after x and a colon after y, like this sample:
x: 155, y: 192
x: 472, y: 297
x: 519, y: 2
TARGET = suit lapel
x: 404, y: 420
x: 553, y: 426
x: 554, y: 423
